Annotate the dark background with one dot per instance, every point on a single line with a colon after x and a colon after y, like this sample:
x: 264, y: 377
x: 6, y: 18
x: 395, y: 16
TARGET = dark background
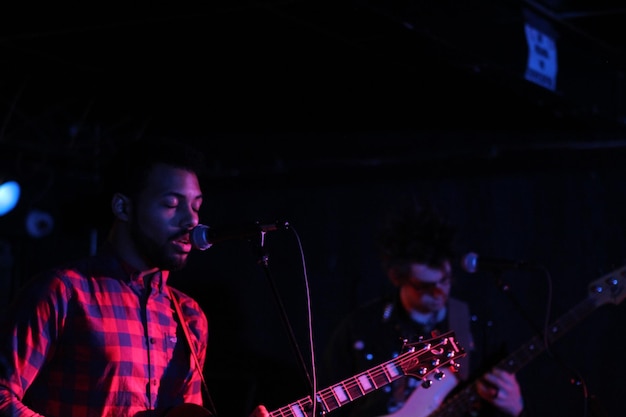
x: 323, y: 114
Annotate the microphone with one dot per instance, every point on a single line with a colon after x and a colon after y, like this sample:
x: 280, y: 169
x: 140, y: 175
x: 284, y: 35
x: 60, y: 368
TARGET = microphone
x: 203, y: 237
x: 471, y: 263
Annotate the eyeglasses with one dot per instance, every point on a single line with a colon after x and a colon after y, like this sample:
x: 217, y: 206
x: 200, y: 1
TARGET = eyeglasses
x: 417, y: 285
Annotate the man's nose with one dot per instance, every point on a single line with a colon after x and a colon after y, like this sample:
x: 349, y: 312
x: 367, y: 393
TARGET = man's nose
x: 190, y: 219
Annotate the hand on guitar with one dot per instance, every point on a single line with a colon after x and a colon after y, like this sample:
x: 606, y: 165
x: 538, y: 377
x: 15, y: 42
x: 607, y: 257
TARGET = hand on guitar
x: 501, y: 389
x: 260, y: 411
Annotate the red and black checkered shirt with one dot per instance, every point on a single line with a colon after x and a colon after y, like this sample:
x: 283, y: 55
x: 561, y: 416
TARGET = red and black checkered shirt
x: 95, y: 339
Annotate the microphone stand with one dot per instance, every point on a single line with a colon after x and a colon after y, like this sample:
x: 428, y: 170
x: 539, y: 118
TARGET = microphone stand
x: 263, y: 260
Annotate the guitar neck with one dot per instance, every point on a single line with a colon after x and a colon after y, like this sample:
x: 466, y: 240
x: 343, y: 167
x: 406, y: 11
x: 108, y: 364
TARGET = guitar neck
x: 536, y: 345
x: 345, y: 391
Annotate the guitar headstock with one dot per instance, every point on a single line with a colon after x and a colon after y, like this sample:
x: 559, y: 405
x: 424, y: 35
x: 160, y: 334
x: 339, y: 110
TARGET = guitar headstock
x: 610, y: 288
x: 428, y: 357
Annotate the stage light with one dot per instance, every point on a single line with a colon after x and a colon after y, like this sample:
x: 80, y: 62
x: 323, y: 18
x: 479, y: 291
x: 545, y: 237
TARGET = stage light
x: 39, y: 223
x: 9, y: 196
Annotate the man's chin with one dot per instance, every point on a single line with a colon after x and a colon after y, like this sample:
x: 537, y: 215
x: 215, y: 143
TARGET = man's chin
x: 176, y: 262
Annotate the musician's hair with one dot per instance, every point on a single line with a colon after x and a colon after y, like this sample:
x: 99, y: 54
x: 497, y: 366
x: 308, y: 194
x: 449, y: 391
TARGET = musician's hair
x: 415, y: 231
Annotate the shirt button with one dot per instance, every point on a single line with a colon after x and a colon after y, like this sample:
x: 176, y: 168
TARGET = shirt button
x: 155, y: 382
x: 152, y: 341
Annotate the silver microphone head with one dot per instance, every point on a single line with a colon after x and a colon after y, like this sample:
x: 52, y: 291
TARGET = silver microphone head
x: 199, y: 238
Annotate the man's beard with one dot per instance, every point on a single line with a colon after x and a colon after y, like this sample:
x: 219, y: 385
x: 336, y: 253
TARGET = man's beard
x: 154, y: 254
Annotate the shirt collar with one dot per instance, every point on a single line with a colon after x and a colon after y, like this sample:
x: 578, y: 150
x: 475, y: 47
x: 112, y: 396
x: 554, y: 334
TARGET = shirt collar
x: 155, y: 278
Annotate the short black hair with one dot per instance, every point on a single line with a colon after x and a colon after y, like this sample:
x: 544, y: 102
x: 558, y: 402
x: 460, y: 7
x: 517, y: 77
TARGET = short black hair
x: 416, y: 231
x: 128, y: 168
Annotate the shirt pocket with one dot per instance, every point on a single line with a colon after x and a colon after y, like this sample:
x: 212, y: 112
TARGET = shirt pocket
x: 170, y: 341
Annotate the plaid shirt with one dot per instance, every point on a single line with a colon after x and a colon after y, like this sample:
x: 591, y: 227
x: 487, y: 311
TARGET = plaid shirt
x: 95, y: 339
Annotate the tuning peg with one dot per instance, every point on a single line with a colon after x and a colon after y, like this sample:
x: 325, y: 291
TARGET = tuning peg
x: 427, y: 383
x: 439, y: 375
x: 454, y: 366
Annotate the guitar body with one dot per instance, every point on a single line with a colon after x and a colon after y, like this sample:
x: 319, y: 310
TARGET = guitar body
x: 424, y: 401
x: 188, y: 410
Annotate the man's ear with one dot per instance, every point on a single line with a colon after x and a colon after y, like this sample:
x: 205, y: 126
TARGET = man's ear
x: 120, y: 204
